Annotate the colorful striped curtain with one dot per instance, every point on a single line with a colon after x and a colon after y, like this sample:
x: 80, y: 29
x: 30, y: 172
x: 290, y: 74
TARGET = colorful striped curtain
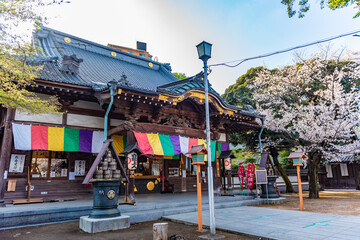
x: 37, y: 137
x: 168, y: 145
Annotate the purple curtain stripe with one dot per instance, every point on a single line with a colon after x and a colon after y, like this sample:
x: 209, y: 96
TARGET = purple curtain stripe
x: 224, y: 146
x: 85, y: 140
x: 175, y: 140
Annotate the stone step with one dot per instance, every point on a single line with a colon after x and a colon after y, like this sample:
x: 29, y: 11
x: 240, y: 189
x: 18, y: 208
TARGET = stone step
x: 139, y: 213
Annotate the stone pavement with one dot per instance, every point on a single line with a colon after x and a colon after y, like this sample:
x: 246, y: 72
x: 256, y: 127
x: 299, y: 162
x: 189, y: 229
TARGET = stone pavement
x: 149, y: 207
x: 279, y: 224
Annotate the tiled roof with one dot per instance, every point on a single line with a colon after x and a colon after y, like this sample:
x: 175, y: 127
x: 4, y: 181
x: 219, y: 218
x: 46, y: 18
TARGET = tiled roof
x: 182, y: 86
x: 100, y: 64
x: 197, y: 83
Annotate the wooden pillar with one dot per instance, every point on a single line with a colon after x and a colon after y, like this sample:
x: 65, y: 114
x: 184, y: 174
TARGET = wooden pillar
x: 131, y: 184
x: 228, y: 179
x: 5, y: 152
x: 198, y: 187
x: 300, y: 188
x: 160, y: 231
x: 183, y: 168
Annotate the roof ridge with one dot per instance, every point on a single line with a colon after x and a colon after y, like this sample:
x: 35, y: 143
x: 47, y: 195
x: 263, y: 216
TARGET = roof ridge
x: 51, y: 30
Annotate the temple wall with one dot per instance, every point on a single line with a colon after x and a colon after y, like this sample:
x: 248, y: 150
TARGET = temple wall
x: 42, y: 118
x: 84, y: 121
x: 87, y: 105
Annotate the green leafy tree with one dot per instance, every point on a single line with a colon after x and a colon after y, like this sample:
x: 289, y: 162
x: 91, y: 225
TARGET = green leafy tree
x: 239, y: 94
x: 18, y: 70
x: 304, y: 6
x: 180, y: 75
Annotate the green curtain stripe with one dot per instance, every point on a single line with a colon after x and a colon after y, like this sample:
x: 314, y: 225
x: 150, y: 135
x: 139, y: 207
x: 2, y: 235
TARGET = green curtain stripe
x: 167, y: 145
x: 71, y: 140
x: 125, y: 141
x: 219, y: 148
x: 213, y: 150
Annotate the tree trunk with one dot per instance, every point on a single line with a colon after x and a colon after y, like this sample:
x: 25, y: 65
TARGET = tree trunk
x: 313, y: 169
x: 274, y: 154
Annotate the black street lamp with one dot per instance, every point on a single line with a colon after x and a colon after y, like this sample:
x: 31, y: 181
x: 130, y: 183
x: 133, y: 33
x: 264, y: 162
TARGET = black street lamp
x: 204, y: 52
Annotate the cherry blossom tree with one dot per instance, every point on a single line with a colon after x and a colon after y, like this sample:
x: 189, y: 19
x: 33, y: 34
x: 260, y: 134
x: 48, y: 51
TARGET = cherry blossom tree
x: 316, y: 104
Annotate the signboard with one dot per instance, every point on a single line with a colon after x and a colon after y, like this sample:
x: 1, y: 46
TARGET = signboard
x: 250, y: 176
x: 64, y: 172
x: 79, y: 167
x: 17, y: 163
x: 241, y: 174
x: 184, y: 173
x: 261, y: 177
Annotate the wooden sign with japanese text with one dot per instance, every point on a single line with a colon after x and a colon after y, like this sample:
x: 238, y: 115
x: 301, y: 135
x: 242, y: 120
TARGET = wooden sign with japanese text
x: 17, y: 163
x: 261, y: 177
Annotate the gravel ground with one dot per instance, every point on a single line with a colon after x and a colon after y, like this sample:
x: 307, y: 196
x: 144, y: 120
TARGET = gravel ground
x: 141, y: 231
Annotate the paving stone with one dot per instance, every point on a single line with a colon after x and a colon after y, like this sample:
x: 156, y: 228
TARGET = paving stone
x: 280, y: 224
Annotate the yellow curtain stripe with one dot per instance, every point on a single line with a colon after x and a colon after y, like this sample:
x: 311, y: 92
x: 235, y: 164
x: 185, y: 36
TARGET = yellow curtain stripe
x: 56, y: 139
x: 155, y: 143
x: 200, y: 142
x: 118, y: 143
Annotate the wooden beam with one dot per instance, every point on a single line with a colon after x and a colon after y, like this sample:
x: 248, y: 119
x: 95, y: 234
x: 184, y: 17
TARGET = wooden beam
x: 5, y: 152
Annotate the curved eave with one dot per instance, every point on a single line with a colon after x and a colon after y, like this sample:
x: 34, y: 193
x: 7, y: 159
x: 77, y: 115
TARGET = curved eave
x: 164, y: 94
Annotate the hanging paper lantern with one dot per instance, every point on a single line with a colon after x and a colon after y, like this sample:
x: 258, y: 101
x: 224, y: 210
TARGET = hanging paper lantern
x: 227, y: 162
x: 132, y: 159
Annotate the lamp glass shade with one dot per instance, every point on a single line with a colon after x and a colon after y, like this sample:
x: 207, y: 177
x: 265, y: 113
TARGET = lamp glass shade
x: 204, y: 50
x: 198, y: 158
x: 297, y: 161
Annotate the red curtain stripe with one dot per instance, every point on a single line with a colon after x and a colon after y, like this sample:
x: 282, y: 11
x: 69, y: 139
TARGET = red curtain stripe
x: 39, y: 137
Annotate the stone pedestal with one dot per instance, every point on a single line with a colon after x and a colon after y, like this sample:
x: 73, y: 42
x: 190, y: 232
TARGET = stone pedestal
x: 94, y: 225
x: 106, y: 195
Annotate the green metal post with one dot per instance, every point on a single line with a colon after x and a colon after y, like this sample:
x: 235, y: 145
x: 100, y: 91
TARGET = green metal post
x: 111, y: 86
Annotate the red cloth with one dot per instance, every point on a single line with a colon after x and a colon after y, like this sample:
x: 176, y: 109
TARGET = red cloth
x: 39, y: 137
x: 144, y: 143
x: 193, y: 142
x: 250, y: 176
x: 241, y: 172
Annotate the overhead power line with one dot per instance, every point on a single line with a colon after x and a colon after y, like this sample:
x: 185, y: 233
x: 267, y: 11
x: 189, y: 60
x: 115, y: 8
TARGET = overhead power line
x: 238, y: 62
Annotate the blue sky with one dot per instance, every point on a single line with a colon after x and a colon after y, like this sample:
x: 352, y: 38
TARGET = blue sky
x: 236, y: 28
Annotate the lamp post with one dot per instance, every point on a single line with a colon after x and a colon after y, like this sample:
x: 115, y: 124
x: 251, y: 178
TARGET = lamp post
x: 204, y: 52
x: 297, y: 158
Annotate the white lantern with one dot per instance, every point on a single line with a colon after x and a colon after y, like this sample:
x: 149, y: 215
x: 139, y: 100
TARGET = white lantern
x: 132, y: 159
x: 227, y: 163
